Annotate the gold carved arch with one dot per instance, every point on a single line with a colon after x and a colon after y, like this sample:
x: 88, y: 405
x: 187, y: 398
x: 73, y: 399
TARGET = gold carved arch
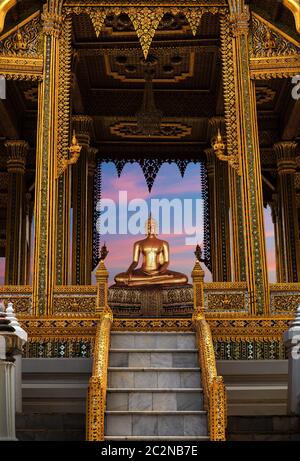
x: 294, y: 7
x: 5, y: 6
x: 21, y: 50
x: 145, y: 19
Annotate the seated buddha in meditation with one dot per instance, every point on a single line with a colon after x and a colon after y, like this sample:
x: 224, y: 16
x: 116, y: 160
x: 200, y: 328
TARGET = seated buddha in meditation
x: 154, y: 269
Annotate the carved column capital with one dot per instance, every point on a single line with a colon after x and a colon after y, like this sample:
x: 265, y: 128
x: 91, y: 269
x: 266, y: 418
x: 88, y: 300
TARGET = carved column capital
x: 52, y: 22
x: 83, y: 124
x: 239, y: 20
x: 17, y: 151
x: 285, y: 152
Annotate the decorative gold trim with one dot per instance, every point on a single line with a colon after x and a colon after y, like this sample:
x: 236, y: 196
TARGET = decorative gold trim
x: 18, y: 26
x: 96, y: 397
x: 155, y: 324
x: 213, y: 385
x: 225, y: 286
x: 11, y: 289
x: 285, y: 287
x: 294, y: 7
x: 5, y: 6
x: 276, y: 29
x: 21, y: 68
x: 73, y: 289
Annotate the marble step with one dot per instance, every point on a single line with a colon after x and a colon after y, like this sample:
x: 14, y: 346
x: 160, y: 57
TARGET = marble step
x: 149, y: 340
x: 154, y: 399
x: 176, y: 358
x: 134, y: 377
x: 155, y: 423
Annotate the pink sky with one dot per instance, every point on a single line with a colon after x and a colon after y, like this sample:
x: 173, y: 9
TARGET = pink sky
x: 168, y: 184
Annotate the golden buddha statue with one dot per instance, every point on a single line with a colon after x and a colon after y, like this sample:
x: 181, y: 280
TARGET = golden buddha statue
x: 154, y: 270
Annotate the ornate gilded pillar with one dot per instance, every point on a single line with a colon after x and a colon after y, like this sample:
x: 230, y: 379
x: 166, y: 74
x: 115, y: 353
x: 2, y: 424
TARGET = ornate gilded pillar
x: 15, y: 261
x: 242, y: 138
x: 90, y: 207
x: 81, y: 262
x: 219, y: 217
x: 237, y: 227
x: 278, y: 238
x: 28, y: 234
x: 286, y: 164
x: 45, y: 190
x: 63, y: 198
x: 210, y: 165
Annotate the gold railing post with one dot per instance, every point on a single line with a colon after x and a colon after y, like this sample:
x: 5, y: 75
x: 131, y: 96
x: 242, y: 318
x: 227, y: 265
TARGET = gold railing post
x: 198, y: 285
x: 96, y: 397
x: 102, y: 287
x: 213, y: 385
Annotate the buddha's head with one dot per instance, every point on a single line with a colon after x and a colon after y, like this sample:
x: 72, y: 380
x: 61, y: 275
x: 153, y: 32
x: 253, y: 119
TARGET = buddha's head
x: 151, y: 226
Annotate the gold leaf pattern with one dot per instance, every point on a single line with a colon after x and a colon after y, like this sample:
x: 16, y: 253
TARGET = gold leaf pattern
x: 98, y: 18
x: 145, y: 22
x: 194, y: 15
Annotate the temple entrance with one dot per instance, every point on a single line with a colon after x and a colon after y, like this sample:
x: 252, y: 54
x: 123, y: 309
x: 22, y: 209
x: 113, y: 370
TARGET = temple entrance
x: 106, y: 108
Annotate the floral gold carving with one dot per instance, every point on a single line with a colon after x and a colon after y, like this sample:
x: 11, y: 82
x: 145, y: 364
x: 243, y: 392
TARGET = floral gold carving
x: 98, y: 17
x: 145, y: 22
x: 26, y: 41
x: 266, y: 42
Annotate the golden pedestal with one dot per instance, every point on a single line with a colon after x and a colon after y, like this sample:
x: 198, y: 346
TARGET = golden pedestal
x: 156, y: 301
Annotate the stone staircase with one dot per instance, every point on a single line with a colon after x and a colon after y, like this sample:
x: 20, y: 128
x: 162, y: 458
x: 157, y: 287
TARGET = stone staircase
x: 154, y: 388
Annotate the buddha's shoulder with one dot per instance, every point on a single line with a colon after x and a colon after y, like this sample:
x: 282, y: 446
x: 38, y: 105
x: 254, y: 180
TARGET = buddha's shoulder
x: 146, y: 240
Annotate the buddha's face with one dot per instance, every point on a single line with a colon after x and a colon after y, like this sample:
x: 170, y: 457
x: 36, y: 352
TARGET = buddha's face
x: 151, y: 227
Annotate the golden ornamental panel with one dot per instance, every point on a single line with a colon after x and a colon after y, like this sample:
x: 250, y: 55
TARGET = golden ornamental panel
x: 69, y: 304
x: 25, y: 39
x: 21, y: 50
x: 76, y: 299
x: 228, y: 301
x: 20, y: 296
x: 267, y: 40
x: 284, y: 302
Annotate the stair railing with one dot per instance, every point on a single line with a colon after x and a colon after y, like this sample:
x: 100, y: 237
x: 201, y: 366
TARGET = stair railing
x: 96, y: 397
x: 215, y: 401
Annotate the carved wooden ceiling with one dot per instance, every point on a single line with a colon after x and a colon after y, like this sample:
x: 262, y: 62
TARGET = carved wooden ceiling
x: 109, y: 83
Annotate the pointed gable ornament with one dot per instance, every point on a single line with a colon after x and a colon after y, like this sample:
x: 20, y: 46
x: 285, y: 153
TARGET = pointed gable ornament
x: 145, y: 22
x: 194, y: 15
x: 98, y: 17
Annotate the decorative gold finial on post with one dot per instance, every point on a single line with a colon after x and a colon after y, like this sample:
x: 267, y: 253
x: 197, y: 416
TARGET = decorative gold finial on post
x: 198, y: 282
x: 74, y: 150
x: 102, y: 283
x: 220, y: 149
